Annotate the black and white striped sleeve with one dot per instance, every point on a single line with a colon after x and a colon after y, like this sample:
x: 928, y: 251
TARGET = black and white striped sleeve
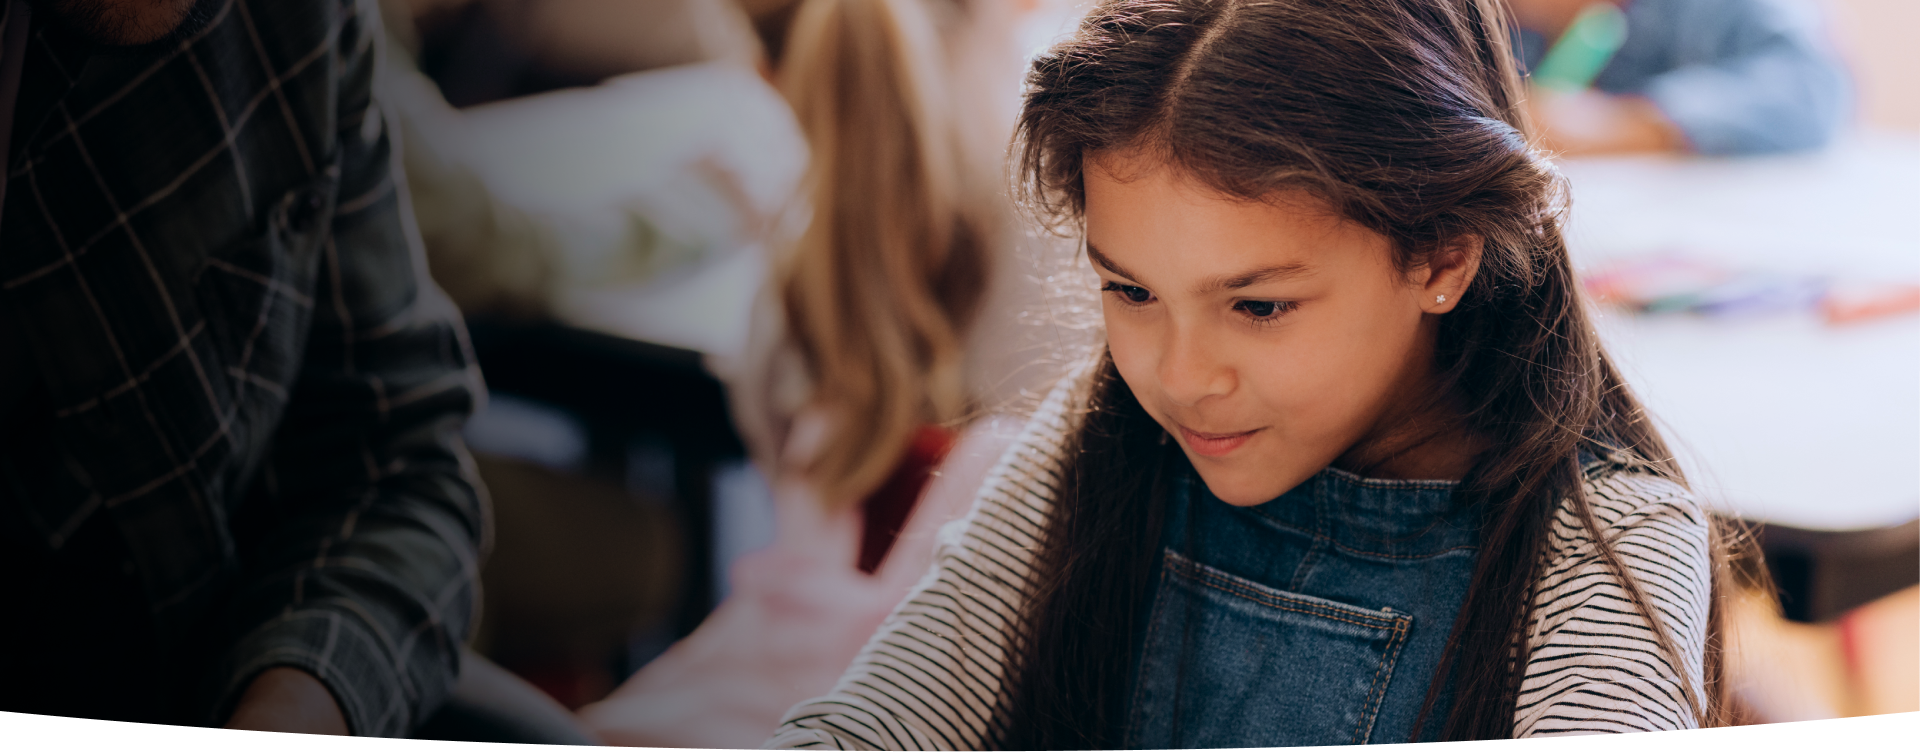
x: 935, y: 673
x: 1595, y: 665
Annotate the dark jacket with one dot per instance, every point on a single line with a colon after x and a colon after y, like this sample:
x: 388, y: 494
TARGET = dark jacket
x: 242, y: 389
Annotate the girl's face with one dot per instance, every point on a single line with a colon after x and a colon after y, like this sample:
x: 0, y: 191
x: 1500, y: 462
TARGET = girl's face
x: 1270, y: 339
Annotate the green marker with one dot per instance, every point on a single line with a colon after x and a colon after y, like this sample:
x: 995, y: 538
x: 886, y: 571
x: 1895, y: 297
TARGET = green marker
x: 1583, y: 50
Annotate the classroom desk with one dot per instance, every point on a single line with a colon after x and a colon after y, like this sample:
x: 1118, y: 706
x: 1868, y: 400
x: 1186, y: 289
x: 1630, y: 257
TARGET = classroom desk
x: 1807, y: 428
x: 1781, y: 418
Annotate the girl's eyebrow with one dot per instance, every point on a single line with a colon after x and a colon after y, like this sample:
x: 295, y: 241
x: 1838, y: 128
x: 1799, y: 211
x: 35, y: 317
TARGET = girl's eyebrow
x: 1101, y: 260
x: 1256, y: 276
x: 1217, y: 284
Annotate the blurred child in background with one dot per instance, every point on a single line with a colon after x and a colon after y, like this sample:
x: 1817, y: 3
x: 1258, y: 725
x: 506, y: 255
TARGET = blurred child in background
x: 1721, y: 77
x: 861, y: 364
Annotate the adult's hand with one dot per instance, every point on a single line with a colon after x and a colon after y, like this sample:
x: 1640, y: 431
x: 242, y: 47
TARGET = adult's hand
x: 288, y: 700
x: 1592, y: 122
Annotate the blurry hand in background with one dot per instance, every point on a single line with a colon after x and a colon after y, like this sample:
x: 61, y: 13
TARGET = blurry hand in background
x: 1713, y: 77
x: 1592, y: 122
x: 1588, y: 122
x: 291, y: 701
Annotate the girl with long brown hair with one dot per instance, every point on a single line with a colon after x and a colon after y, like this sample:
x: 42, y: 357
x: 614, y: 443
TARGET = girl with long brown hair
x: 1352, y: 466
x: 864, y: 365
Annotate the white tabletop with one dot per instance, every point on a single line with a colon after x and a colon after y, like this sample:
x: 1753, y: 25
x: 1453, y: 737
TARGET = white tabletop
x: 1779, y: 418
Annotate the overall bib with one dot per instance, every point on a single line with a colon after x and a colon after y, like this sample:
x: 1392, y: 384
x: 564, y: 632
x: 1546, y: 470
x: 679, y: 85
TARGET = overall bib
x: 1315, y: 618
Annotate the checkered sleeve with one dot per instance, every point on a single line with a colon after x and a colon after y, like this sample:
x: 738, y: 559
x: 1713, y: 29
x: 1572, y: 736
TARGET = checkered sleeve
x: 369, y: 517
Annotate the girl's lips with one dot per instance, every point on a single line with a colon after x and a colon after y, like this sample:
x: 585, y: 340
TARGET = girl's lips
x: 1214, y: 444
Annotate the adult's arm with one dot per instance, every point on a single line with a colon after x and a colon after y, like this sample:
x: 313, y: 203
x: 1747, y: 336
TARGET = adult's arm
x: 361, y: 542
x: 1757, y: 78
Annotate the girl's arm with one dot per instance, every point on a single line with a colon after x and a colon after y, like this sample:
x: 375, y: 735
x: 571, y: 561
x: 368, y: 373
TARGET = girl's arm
x: 1595, y: 665
x: 934, y: 675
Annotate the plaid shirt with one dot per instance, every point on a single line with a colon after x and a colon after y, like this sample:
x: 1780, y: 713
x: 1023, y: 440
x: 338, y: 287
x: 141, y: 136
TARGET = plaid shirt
x: 209, y: 260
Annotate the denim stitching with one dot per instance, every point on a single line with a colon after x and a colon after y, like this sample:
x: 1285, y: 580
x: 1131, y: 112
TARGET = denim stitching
x: 1207, y: 576
x: 1288, y: 527
x: 1397, y: 626
x: 1140, y: 681
x: 1364, y: 552
x: 1381, y: 676
x: 1322, y: 517
x: 1276, y: 521
x: 1310, y: 609
x: 1389, y: 483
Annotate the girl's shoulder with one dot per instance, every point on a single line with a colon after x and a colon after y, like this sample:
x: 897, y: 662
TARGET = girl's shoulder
x: 1597, y: 660
x: 1625, y: 493
x: 1022, y: 485
x: 1006, y: 509
x: 1039, y: 448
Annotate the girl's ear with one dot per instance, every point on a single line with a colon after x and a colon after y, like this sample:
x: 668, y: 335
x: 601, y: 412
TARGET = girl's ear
x: 1449, y: 273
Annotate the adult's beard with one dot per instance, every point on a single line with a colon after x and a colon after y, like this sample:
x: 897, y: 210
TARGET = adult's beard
x: 128, y: 23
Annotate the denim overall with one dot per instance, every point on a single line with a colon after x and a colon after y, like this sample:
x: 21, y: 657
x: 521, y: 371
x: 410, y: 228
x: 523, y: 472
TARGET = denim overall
x: 1315, y: 618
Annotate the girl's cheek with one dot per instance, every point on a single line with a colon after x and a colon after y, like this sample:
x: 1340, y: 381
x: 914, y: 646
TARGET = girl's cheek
x: 1303, y: 388
x: 1131, y: 343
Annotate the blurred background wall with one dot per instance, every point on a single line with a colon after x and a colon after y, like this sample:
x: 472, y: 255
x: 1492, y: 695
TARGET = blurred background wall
x: 1875, y: 36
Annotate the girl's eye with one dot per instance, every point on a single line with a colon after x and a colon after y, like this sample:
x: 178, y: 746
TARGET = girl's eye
x: 1264, y: 310
x: 1129, y: 293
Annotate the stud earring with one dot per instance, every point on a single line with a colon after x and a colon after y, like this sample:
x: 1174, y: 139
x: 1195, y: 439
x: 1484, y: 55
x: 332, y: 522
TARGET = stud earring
x: 1440, y: 299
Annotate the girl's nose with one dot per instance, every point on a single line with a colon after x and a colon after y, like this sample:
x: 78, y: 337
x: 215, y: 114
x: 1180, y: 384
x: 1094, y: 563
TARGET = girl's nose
x: 1191, y: 369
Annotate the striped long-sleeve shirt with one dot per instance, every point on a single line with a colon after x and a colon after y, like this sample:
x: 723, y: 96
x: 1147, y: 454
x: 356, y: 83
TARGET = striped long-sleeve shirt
x: 932, y: 676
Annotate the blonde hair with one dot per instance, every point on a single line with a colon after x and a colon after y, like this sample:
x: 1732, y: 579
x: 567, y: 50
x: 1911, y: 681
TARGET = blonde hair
x: 881, y: 285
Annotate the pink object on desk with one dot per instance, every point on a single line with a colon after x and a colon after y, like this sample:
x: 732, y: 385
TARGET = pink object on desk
x: 1849, y: 304
x: 1651, y: 282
